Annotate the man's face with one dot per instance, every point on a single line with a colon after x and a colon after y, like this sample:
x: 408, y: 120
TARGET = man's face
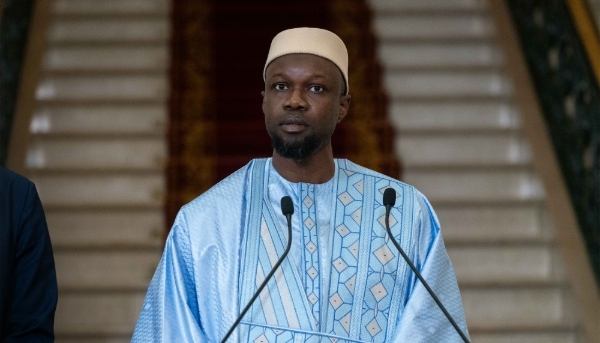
x: 303, y: 103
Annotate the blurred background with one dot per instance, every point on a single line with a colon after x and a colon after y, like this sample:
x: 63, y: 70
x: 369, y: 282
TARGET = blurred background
x: 121, y: 111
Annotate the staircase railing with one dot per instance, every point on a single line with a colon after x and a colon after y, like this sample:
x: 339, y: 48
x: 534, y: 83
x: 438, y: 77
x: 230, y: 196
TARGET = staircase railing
x: 23, y: 30
x: 14, y: 28
x: 557, y: 94
x: 569, y: 95
x: 593, y: 8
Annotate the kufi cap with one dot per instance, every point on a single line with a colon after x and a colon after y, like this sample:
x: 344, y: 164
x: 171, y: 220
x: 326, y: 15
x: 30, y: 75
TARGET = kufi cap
x: 308, y: 40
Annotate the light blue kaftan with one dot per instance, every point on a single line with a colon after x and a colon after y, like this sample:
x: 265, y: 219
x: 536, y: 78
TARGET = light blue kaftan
x: 343, y: 281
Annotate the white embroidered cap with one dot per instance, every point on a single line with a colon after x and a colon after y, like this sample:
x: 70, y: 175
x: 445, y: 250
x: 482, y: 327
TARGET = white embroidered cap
x: 309, y: 40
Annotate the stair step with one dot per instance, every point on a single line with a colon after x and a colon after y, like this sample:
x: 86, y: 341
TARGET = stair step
x: 145, y: 43
x: 105, y: 228
x: 462, y: 149
x: 82, y: 153
x: 453, y: 115
x: 94, y: 73
x: 105, y: 269
x: 103, y: 88
x: 480, y: 167
x: 444, y: 99
x: 106, y: 58
x: 383, y: 6
x: 126, y: 338
x: 395, y: 26
x: 100, y: 102
x: 502, y: 264
x: 433, y: 84
x: 446, y: 69
x: 123, y: 189
x: 467, y: 132
x: 108, y: 15
x: 109, y: 119
x: 98, y: 313
x: 110, y: 6
x: 104, y: 207
x: 457, y: 186
x: 543, y: 337
x: 491, y: 223
x: 439, y: 55
x: 434, y: 40
x: 107, y: 30
x: 512, y: 285
x: 489, y: 309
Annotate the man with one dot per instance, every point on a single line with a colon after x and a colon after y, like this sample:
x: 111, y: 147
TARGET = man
x: 28, y: 290
x: 343, y: 280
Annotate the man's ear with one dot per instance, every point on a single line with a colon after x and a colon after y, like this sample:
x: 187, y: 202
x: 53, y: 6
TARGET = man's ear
x: 344, y: 107
x: 262, y: 93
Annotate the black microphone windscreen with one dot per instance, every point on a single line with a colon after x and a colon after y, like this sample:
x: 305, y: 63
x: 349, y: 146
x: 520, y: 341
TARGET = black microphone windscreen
x: 389, y: 197
x: 287, y: 206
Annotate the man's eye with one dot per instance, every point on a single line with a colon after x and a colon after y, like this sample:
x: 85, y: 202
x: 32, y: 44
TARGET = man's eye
x: 317, y: 89
x: 280, y: 87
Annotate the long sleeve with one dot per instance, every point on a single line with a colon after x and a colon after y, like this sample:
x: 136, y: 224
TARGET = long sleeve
x: 170, y: 311
x: 32, y: 289
x: 193, y: 296
x: 422, y: 320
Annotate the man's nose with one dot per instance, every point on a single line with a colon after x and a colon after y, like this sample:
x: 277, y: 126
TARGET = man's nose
x: 296, y: 100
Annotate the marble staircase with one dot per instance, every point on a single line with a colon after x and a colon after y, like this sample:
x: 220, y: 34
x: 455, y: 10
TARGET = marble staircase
x: 98, y: 150
x: 460, y: 139
x: 96, y: 155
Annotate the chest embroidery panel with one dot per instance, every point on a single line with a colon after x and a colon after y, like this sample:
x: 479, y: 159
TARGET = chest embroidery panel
x: 362, y: 300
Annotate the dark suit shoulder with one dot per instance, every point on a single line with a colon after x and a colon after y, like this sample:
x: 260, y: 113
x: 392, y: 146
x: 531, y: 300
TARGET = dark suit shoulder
x: 14, y: 186
x: 28, y: 291
x: 18, y: 198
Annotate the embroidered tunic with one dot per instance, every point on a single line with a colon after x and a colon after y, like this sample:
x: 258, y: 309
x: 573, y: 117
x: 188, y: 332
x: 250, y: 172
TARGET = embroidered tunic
x: 343, y: 280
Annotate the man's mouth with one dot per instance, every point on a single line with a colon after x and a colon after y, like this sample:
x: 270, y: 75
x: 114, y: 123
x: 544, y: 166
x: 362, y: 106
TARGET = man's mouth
x: 293, y: 124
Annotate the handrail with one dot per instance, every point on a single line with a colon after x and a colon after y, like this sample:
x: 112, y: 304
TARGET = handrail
x: 558, y: 97
x: 23, y: 95
x: 15, y: 20
x: 570, y: 99
x: 588, y: 33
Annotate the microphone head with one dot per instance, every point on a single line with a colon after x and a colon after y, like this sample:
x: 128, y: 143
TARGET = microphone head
x: 389, y: 197
x: 287, y: 206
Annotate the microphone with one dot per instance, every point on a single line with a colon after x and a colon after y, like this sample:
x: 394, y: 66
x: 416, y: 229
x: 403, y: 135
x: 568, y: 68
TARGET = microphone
x: 287, y: 208
x: 389, y: 200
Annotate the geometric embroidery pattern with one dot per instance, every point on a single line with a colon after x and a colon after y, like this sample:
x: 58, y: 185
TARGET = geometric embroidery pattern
x: 310, y: 241
x: 381, y: 273
x: 359, y: 304
x: 260, y: 334
x: 345, y: 252
x: 363, y: 268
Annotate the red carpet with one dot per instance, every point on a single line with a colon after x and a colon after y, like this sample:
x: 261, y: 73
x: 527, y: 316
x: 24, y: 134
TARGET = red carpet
x: 218, y: 52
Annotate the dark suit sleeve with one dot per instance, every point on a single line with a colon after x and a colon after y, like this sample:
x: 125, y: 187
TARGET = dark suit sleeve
x: 35, y: 293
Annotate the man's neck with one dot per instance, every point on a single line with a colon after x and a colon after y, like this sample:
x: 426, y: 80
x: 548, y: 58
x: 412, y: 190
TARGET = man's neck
x: 316, y: 169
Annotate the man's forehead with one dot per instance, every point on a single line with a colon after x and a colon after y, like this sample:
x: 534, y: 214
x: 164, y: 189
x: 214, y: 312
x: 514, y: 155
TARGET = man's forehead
x: 319, y: 67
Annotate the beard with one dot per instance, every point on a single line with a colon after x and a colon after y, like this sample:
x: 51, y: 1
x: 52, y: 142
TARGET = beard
x: 300, y: 148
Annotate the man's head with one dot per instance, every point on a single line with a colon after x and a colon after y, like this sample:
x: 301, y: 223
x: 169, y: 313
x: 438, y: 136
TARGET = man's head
x: 306, y: 91
x: 313, y: 41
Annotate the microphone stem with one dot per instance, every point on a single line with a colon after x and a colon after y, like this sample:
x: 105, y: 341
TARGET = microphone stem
x: 414, y: 269
x: 264, y: 283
